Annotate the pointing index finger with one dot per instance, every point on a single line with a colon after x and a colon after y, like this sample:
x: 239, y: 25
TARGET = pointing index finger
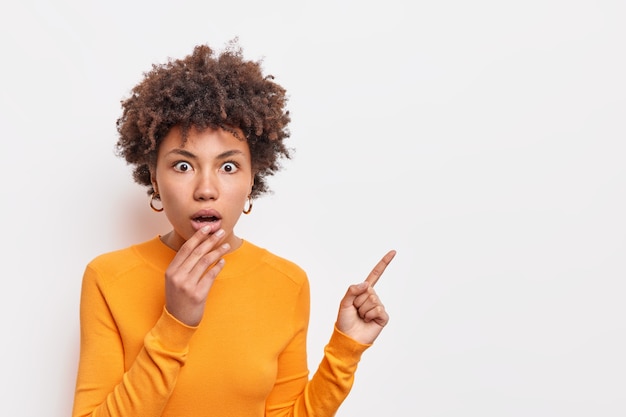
x: 380, y: 267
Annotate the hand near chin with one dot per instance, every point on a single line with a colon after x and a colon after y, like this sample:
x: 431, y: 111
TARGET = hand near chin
x: 362, y: 316
x: 191, y: 273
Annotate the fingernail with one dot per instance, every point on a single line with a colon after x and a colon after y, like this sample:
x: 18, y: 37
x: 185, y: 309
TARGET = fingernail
x: 220, y: 233
x: 226, y: 246
x: 206, y: 229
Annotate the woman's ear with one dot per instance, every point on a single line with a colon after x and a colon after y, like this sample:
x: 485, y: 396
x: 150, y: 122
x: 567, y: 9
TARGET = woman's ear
x: 154, y: 183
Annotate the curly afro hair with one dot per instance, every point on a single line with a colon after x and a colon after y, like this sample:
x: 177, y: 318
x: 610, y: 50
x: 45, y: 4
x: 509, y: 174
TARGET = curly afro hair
x: 206, y: 90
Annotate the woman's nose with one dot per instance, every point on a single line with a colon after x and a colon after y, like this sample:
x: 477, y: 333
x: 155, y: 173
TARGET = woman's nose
x: 206, y: 187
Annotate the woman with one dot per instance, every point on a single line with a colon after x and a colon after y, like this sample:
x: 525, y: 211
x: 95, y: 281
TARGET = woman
x: 199, y: 322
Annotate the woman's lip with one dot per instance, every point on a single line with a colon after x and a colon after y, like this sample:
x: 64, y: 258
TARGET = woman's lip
x: 206, y: 213
x: 215, y: 225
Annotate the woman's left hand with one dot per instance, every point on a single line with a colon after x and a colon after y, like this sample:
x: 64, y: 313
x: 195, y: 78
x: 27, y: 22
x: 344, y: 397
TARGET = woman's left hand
x: 361, y: 314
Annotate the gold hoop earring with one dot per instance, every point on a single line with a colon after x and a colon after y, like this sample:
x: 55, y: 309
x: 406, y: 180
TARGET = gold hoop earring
x: 249, y: 209
x: 154, y: 196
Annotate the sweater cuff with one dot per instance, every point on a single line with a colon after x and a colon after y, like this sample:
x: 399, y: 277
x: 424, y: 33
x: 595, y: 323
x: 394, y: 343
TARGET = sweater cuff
x: 343, y: 346
x: 171, y: 334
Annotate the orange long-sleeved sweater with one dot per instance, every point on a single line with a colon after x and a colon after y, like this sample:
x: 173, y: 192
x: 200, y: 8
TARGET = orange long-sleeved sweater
x: 246, y: 358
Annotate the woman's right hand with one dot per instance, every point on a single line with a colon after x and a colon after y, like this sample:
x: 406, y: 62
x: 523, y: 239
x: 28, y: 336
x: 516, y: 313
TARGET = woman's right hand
x: 191, y: 273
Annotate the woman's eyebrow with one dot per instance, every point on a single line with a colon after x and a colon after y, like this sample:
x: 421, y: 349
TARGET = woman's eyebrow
x: 230, y: 153
x: 183, y: 152
x: 188, y: 154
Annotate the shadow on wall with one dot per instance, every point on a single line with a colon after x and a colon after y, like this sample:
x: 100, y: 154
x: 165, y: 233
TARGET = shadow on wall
x: 137, y: 221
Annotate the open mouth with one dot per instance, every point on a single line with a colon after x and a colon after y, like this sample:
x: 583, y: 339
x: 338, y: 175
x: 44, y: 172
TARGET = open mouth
x: 205, y: 219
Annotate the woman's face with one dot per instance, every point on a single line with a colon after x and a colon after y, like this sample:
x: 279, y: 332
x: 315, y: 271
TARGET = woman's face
x: 206, y: 180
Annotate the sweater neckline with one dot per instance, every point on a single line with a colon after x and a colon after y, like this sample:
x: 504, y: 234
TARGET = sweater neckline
x: 238, y: 261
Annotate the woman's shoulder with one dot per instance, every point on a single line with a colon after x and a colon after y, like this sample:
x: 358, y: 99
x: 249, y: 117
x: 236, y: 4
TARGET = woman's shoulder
x: 119, y: 261
x: 276, y: 262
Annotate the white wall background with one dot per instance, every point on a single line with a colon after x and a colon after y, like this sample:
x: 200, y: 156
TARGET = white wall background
x: 483, y: 140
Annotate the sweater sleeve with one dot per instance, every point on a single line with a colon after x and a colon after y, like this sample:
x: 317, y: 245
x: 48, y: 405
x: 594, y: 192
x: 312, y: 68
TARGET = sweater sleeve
x: 103, y: 386
x: 321, y: 396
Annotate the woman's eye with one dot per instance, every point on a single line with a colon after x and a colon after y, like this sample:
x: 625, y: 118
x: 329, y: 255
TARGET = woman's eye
x: 182, y: 166
x: 229, y: 167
